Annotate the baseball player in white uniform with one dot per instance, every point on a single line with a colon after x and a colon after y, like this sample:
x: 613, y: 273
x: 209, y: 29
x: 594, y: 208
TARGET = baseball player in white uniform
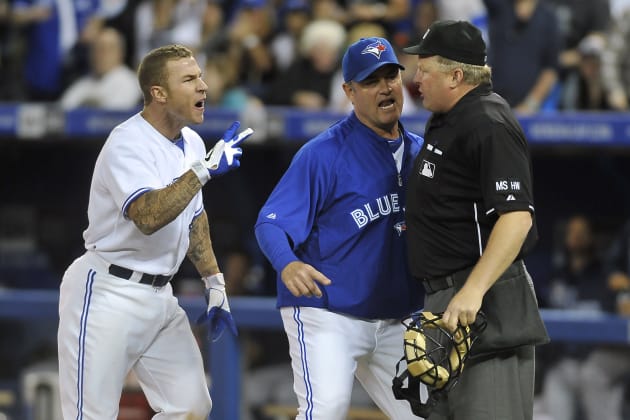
x: 117, y: 310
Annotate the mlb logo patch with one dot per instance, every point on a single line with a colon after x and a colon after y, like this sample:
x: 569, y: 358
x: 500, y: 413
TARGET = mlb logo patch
x: 427, y: 169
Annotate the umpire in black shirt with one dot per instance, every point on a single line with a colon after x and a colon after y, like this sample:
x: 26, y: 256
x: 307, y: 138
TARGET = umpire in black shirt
x: 470, y: 220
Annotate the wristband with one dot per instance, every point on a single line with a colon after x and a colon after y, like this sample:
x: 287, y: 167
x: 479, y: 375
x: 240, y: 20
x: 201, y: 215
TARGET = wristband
x: 213, y: 280
x: 201, y: 171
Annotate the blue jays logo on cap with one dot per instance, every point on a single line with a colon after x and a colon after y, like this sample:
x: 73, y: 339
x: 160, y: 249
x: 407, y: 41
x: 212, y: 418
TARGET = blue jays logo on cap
x: 366, y: 56
x: 375, y: 49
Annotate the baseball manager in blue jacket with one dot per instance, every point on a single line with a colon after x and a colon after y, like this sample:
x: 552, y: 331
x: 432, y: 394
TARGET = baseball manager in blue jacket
x: 334, y: 230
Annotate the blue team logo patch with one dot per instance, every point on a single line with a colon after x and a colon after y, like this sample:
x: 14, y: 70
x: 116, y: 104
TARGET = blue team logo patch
x: 400, y: 227
x: 376, y: 49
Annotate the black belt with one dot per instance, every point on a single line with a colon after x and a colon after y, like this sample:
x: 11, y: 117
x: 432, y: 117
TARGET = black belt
x: 436, y: 284
x: 155, y: 280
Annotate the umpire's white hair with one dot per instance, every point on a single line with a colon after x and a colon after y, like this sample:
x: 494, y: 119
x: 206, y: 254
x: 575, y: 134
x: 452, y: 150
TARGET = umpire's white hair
x: 322, y: 32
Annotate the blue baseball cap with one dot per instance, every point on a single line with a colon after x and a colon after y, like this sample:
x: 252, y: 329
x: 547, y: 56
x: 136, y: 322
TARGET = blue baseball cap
x: 366, y: 56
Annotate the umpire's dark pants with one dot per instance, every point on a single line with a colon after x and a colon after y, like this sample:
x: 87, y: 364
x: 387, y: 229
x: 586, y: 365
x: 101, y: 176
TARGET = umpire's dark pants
x: 498, y: 387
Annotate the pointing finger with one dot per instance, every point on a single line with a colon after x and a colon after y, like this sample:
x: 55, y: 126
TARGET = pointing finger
x: 241, y: 137
x: 229, y: 133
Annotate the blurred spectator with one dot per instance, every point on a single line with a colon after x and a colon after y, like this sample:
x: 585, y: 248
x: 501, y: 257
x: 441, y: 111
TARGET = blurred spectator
x: 307, y: 83
x: 470, y: 10
x: 4, y: 13
x: 224, y: 92
x: 53, y: 29
x: 365, y: 30
x: 120, y: 15
x: 8, y: 70
x: 161, y: 22
x: 250, y: 34
x: 523, y: 51
x: 423, y: 13
x: 616, y: 60
x: 576, y: 20
x: 422, y: 16
x: 577, y: 283
x: 584, y: 87
x: 214, y: 36
x: 473, y: 11
x: 384, y: 12
x: 618, y: 7
x: 392, y: 14
x: 604, y: 374
x: 329, y: 9
x: 24, y: 260
x: 90, y: 19
x: 618, y: 266
x: 296, y: 15
x: 578, y: 278
x: 111, y: 85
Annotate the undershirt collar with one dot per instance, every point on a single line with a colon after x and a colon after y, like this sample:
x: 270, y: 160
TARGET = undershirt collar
x: 180, y: 143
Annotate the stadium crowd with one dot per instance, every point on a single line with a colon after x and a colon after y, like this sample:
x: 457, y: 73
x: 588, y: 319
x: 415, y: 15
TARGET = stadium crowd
x: 545, y: 54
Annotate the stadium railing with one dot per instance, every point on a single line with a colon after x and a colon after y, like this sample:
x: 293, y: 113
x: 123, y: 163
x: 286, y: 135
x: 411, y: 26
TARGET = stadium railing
x: 43, y: 121
x: 261, y: 313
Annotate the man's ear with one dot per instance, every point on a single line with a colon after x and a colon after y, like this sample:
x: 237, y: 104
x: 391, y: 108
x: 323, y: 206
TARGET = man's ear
x: 348, y: 90
x: 457, y: 77
x: 158, y: 93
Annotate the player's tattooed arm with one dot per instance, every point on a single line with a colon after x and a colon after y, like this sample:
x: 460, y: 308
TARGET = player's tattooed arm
x: 155, y: 209
x: 200, y: 251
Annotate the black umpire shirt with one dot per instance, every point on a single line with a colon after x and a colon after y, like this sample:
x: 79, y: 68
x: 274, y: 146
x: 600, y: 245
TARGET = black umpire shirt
x: 473, y: 166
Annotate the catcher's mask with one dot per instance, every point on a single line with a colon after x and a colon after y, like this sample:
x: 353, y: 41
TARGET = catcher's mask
x: 434, y: 356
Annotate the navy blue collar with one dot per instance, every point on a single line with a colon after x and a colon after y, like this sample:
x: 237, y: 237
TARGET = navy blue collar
x: 180, y: 143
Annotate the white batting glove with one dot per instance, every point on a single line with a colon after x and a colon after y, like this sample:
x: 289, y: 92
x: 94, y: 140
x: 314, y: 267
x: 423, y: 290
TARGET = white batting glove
x: 225, y: 154
x: 218, y: 313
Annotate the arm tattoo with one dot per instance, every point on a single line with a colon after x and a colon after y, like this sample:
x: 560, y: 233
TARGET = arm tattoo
x: 155, y: 209
x: 200, y: 251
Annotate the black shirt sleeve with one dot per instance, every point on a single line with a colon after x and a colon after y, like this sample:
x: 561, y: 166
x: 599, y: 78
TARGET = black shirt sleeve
x: 505, y: 172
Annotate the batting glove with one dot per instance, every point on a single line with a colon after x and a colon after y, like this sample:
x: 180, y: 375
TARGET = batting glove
x: 225, y: 155
x: 218, y: 313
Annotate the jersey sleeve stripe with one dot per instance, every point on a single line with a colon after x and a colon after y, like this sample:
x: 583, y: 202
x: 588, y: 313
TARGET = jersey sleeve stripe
x: 133, y: 197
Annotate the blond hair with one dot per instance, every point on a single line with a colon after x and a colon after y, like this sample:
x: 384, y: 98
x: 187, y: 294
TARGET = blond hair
x: 473, y: 74
x: 152, y: 70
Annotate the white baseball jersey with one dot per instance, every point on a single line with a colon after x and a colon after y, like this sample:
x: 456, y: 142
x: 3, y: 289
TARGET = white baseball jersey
x: 109, y: 325
x: 136, y: 158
